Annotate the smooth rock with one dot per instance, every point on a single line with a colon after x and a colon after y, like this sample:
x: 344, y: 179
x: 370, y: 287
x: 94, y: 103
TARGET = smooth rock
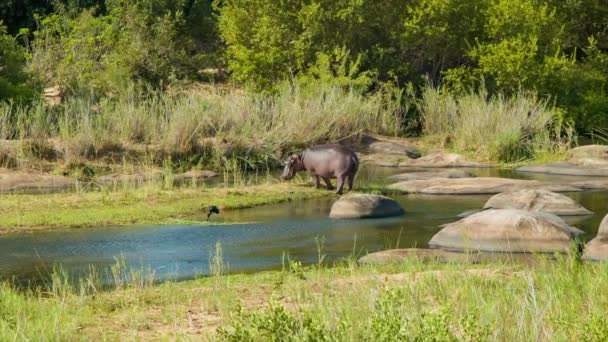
x: 592, y: 184
x: 537, y: 200
x: 592, y: 155
x: 382, y: 160
x: 597, y: 249
x: 468, y: 213
x: 432, y: 175
x: 591, y: 160
x: 365, y: 206
x: 567, y: 169
x: 507, y: 230
x: 394, y: 148
x: 441, y: 160
x: 474, y: 186
x: 18, y: 181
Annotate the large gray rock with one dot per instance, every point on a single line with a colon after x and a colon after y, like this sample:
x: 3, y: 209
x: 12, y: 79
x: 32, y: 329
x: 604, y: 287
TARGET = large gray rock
x: 442, y: 160
x: 597, y: 249
x: 590, y: 155
x: 591, y: 160
x: 432, y: 175
x: 394, y: 148
x: 388, y: 152
x: 507, y: 230
x: 473, y: 186
x: 20, y: 181
x: 365, y: 206
x: 566, y: 168
x: 537, y: 200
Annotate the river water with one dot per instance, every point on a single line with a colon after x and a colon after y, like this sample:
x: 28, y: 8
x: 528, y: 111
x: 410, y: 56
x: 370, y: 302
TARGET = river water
x: 272, y: 235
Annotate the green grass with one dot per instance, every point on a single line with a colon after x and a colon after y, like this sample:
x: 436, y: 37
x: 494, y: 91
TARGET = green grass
x: 547, y: 300
x: 148, y: 204
x: 507, y: 130
x: 209, y: 127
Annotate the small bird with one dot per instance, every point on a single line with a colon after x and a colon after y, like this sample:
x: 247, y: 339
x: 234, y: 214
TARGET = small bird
x: 212, y: 209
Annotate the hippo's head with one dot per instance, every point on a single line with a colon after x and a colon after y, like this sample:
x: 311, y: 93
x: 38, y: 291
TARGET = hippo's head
x: 292, y: 165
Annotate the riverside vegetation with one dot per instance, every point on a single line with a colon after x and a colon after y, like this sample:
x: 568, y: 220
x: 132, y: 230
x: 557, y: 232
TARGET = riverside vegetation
x: 546, y: 299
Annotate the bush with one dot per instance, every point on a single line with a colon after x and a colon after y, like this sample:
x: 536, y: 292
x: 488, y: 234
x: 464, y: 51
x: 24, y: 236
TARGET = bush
x: 15, y: 83
x: 500, y: 128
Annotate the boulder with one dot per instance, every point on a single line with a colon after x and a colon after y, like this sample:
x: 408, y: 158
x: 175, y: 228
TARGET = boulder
x: 387, y: 152
x: 592, y: 155
x: 19, y: 181
x: 592, y: 184
x: 591, y: 160
x: 442, y: 160
x: 468, y: 213
x: 507, y: 230
x: 597, y: 249
x: 567, y: 169
x: 365, y: 206
x: 382, y: 160
x: 394, y: 148
x: 537, y: 200
x: 475, y: 186
x: 432, y: 175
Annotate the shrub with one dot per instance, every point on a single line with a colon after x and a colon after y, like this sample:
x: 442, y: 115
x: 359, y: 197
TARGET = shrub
x: 507, y: 129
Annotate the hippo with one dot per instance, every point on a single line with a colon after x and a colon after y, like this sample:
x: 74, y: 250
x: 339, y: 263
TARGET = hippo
x: 324, y: 161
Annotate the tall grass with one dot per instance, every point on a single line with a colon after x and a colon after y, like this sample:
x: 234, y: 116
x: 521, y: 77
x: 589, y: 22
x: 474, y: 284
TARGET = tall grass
x: 214, y: 125
x: 500, y: 128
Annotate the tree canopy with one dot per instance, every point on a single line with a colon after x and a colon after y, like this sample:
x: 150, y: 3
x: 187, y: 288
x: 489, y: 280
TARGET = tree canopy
x: 557, y: 48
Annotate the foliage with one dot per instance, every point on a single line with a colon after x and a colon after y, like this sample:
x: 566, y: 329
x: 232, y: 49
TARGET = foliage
x: 145, y: 41
x: 500, y: 128
x: 15, y: 83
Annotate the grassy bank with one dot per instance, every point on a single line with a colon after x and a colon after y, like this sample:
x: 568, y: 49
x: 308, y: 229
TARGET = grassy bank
x: 206, y: 127
x: 227, y: 128
x: 546, y: 301
x: 138, y: 205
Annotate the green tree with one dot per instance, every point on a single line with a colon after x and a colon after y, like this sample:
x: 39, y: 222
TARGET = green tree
x: 15, y: 83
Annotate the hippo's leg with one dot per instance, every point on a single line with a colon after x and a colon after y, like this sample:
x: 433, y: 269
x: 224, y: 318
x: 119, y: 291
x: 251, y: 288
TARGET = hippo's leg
x: 351, y: 179
x: 328, y: 183
x: 317, y: 181
x: 340, y: 185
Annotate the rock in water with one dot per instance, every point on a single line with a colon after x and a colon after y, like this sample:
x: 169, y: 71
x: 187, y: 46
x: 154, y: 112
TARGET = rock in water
x: 537, y: 200
x: 591, y: 160
x: 432, y: 175
x: 365, y: 206
x: 507, y: 230
x: 475, y: 186
x: 597, y: 249
x: 442, y: 160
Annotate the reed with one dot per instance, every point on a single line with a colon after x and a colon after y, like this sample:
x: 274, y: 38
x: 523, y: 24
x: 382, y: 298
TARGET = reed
x: 510, y: 129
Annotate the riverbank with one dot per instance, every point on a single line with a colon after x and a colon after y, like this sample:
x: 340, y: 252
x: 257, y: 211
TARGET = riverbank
x: 147, y: 204
x: 543, y: 300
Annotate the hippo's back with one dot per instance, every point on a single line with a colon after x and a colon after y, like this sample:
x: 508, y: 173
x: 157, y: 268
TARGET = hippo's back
x: 331, y: 159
